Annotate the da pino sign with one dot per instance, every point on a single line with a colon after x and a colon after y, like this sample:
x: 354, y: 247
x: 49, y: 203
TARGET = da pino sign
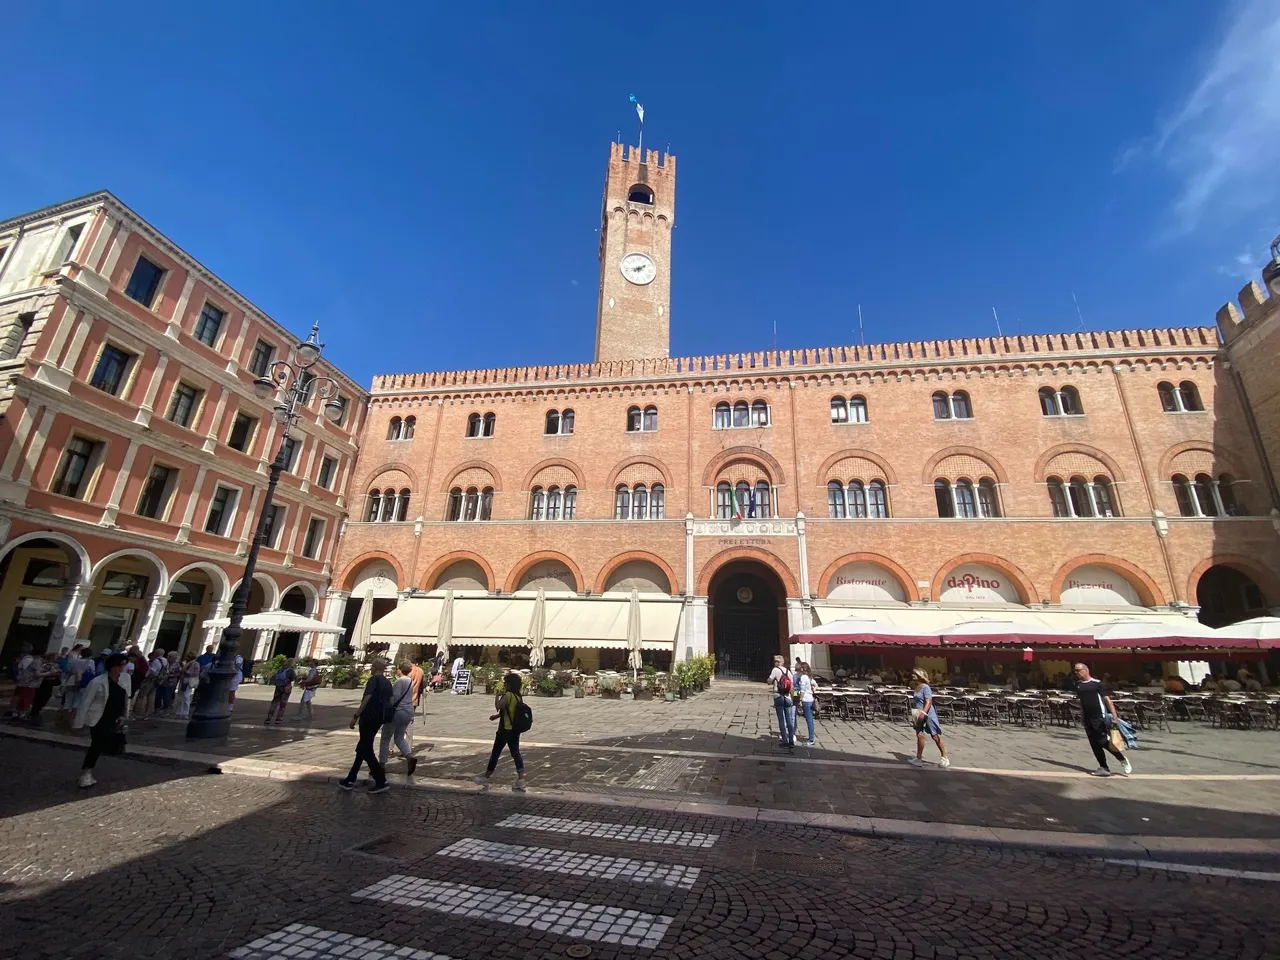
x: 976, y: 583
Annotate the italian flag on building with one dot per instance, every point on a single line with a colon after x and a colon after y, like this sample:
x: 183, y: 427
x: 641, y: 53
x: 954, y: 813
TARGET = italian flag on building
x: 736, y: 506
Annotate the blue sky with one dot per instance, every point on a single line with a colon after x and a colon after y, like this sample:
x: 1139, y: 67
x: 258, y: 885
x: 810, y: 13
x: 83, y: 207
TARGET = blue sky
x: 425, y: 179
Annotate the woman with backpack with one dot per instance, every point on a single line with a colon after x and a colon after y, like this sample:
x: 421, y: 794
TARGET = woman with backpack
x: 374, y: 710
x: 284, y: 688
x: 513, y: 719
x: 401, y: 717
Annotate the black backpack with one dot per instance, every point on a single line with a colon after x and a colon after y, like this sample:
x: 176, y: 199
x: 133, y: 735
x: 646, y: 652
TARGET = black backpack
x: 523, y: 718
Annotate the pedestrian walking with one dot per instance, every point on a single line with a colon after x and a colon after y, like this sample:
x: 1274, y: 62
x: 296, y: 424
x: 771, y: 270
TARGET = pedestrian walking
x: 925, y: 719
x: 102, y: 709
x: 26, y: 674
x: 401, y: 718
x: 187, y: 687
x: 168, y: 685
x: 283, y: 681
x: 782, y: 682
x: 237, y: 678
x: 374, y: 710
x: 50, y: 680
x: 1100, y: 718
x: 508, y: 704
x: 418, y: 677
x: 310, y: 683
x: 804, y: 689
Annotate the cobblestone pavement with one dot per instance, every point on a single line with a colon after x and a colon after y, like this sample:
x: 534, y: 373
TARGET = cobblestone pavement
x: 719, y: 747
x: 161, y: 860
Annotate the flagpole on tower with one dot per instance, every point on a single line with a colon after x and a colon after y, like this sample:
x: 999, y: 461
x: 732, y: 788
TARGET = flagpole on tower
x: 640, y: 114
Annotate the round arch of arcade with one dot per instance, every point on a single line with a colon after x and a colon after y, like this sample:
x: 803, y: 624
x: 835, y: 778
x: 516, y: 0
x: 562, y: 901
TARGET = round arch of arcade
x: 905, y: 580
x: 1266, y: 580
x: 309, y: 591
x: 528, y: 563
x: 347, y: 580
x: 602, y: 579
x: 1020, y: 582
x: 270, y: 589
x: 1147, y: 590
x: 770, y: 560
x: 75, y: 550
x: 219, y: 576
x: 442, y: 564
x: 162, y: 572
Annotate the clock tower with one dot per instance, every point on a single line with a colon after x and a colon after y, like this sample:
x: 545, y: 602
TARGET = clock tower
x: 633, y: 315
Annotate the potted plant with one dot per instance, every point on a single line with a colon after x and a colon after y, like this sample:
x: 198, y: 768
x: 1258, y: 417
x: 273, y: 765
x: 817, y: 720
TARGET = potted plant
x: 642, y: 687
x: 610, y: 687
x: 579, y: 687
x: 546, y: 683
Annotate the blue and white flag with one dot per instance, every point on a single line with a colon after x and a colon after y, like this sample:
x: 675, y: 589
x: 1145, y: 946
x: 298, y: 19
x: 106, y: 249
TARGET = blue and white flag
x: 639, y: 107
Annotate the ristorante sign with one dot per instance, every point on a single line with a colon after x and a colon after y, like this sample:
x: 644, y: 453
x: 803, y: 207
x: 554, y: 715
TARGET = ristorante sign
x: 865, y: 582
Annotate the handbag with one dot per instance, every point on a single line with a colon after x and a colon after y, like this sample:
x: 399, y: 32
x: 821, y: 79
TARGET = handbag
x: 1117, y: 741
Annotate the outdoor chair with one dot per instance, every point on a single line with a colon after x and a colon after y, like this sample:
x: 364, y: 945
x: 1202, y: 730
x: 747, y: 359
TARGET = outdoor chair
x: 986, y: 711
x: 1258, y: 715
x: 945, y: 707
x: 899, y: 708
x: 856, y: 708
x: 1033, y: 714
x: 1154, y: 715
x: 1128, y: 710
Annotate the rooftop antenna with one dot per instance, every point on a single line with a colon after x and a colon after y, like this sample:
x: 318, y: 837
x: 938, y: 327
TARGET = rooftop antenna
x: 862, y: 334
x: 999, y: 332
x: 640, y: 114
x: 775, y: 335
x: 1079, y: 315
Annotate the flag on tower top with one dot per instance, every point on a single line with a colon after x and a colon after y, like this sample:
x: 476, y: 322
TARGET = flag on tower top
x: 639, y: 107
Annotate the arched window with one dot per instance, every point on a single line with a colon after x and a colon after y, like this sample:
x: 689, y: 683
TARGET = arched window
x: 763, y: 508
x: 375, y: 507
x: 759, y: 414
x: 961, y: 409
x: 553, y: 503
x: 1190, y: 396
x: 553, y: 423
x: 1058, y: 497
x: 490, y: 421
x: 650, y: 419
x: 1186, y: 497
x: 1104, y: 497
x: 473, y: 425
x: 1169, y: 399
x: 657, y: 502
x: 566, y: 422
x: 966, y: 504
x: 402, y: 506
x: 839, y: 410
x: 724, y: 501
x: 1049, y: 402
x: 471, y: 508
x: 742, y: 490
x: 1204, y: 495
x: 1081, y: 502
x: 570, y: 502
x: 406, y: 433
x: 1231, y: 505
x: 857, y: 409
x: 640, y: 193
x: 388, y: 505
x: 857, y: 499
x: 1069, y: 401
x: 941, y: 406
x: 988, y: 502
x: 835, y: 500
x: 741, y: 414
x: 723, y: 417
x: 537, y: 503
x: 621, y: 503
x: 639, y: 502
x: 454, y: 511
x: 877, y: 501
x: 393, y: 428
x: 942, y: 493
x: 486, y: 503
x: 635, y: 420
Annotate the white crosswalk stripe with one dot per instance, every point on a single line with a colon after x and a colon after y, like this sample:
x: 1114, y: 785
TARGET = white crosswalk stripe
x: 609, y: 831
x: 572, y: 862
x: 584, y: 921
x: 298, y: 942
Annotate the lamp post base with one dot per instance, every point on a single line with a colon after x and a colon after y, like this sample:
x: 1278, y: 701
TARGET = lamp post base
x: 208, y: 728
x: 212, y: 715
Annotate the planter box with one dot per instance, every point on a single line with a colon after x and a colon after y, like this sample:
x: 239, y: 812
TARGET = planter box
x: 543, y: 693
x: 579, y: 693
x: 643, y: 694
x: 611, y: 694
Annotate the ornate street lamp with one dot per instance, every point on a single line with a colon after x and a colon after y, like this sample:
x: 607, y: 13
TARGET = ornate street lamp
x: 1271, y: 272
x: 293, y: 388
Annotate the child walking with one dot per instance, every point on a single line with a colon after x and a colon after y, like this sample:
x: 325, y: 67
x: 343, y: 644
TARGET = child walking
x: 507, y: 735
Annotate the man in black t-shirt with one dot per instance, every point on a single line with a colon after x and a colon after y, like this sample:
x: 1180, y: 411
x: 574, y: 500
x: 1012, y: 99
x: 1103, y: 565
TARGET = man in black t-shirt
x: 373, y: 712
x: 1099, y: 717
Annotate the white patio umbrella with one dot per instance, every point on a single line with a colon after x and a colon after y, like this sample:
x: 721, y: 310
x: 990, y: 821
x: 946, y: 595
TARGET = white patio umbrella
x: 538, y: 630
x: 444, y: 632
x: 634, y: 660
x: 988, y: 630
x: 279, y: 620
x: 864, y: 630
x: 360, y: 635
x: 1185, y: 632
x: 1259, y: 628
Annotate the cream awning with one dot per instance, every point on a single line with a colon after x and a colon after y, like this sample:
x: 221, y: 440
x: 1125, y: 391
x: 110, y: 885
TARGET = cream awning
x: 588, y: 622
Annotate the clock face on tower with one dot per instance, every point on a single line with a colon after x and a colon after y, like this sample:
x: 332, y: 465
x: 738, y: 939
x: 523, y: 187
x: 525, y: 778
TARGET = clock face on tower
x: 638, y: 268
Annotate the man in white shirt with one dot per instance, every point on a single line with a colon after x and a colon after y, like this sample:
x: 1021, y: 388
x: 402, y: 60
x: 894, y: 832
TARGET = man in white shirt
x: 782, y: 682
x: 453, y: 671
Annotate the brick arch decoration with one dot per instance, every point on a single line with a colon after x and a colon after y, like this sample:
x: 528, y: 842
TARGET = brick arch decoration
x: 522, y: 567
x: 889, y: 475
x: 770, y: 560
x: 389, y: 468
x: 471, y: 465
x: 645, y: 461
x: 1148, y: 592
x: 1267, y: 581
x: 771, y: 465
x: 348, y: 578
x: 1227, y: 462
x: 442, y: 563
x: 929, y: 476
x: 1042, y: 464
x: 905, y: 580
x: 554, y: 462
x: 1026, y: 589
x: 607, y: 570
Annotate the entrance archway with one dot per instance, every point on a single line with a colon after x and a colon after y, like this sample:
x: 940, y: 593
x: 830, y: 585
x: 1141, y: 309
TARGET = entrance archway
x: 747, y: 619
x: 1227, y: 595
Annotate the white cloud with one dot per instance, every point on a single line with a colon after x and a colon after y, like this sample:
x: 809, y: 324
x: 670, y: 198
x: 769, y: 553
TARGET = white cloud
x: 1223, y: 144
